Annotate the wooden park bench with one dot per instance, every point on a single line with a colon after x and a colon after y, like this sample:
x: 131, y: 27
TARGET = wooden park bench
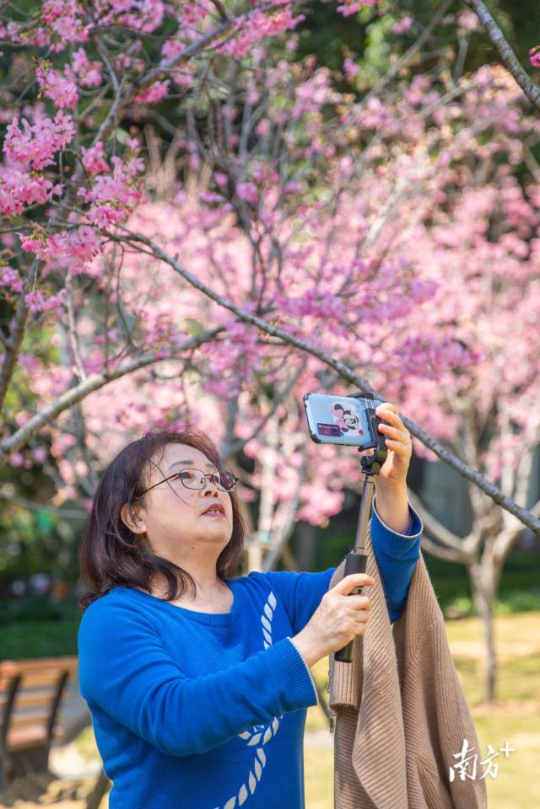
x: 31, y: 694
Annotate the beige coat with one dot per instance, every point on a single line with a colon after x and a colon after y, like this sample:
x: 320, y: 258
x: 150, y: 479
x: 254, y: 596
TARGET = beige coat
x: 400, y: 710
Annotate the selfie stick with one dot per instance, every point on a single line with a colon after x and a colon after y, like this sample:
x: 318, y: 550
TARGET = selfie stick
x: 356, y: 560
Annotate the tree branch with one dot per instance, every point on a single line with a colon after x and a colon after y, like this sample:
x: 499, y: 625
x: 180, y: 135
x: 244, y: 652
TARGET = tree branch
x: 440, y: 532
x: 91, y: 384
x: 344, y: 371
x: 531, y: 90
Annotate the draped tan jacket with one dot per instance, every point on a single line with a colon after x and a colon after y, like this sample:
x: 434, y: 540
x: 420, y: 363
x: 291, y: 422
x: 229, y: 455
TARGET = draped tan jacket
x: 400, y: 714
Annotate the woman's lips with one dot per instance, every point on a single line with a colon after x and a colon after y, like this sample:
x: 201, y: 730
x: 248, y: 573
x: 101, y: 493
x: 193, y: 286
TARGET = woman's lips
x: 215, y: 510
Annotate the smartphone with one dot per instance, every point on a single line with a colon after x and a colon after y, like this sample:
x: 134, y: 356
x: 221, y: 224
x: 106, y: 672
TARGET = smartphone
x: 347, y: 420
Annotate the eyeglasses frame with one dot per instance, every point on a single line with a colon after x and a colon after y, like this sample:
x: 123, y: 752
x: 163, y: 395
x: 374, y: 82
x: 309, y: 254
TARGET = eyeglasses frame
x: 204, y: 474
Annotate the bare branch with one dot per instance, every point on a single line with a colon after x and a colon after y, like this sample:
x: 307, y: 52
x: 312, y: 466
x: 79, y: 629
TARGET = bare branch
x: 440, y: 533
x: 531, y: 90
x: 223, y: 13
x: 73, y: 336
x: 446, y: 554
x: 277, y: 399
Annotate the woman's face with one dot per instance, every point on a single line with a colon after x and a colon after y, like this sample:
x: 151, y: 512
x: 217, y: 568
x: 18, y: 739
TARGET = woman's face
x: 177, y: 520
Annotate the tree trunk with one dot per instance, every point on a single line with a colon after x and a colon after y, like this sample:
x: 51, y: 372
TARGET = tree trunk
x: 484, y: 580
x: 305, y: 548
x: 254, y: 555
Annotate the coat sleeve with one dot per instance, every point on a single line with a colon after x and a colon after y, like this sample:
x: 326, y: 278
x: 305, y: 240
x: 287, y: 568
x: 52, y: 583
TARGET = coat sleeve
x: 126, y: 670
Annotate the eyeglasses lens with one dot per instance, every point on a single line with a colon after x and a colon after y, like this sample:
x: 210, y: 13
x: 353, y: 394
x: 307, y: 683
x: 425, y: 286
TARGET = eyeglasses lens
x: 195, y: 479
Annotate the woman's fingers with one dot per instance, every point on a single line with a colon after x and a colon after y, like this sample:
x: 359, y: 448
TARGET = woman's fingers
x: 387, y: 406
x: 394, y: 435
x: 393, y: 419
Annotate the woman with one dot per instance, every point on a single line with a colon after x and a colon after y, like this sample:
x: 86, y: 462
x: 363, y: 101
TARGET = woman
x: 198, y: 680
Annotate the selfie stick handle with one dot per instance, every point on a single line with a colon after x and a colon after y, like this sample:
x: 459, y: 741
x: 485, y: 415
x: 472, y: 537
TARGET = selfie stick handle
x: 356, y: 560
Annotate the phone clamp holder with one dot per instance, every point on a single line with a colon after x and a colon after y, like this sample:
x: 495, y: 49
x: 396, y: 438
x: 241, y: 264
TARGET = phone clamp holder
x: 356, y: 559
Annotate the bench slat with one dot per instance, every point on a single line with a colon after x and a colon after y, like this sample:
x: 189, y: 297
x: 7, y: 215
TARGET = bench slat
x: 41, y: 679
x: 27, y: 699
x: 39, y: 663
x: 26, y: 737
x: 37, y: 690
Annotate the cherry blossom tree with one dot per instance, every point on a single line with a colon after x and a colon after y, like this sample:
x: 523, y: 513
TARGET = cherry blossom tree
x: 290, y: 236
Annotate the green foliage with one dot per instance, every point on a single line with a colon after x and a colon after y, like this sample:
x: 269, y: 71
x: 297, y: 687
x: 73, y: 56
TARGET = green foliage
x: 519, y: 590
x: 35, y: 627
x: 369, y: 39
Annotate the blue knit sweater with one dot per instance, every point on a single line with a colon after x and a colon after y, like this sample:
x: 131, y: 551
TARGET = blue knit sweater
x: 194, y: 710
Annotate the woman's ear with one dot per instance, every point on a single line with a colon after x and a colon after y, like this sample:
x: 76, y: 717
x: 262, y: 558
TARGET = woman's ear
x: 132, y: 518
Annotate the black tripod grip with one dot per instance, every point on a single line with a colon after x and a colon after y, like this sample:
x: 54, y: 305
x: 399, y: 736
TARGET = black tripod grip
x: 354, y: 563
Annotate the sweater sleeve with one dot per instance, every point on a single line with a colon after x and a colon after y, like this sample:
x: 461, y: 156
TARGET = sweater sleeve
x: 300, y: 593
x: 396, y: 556
x: 125, y: 669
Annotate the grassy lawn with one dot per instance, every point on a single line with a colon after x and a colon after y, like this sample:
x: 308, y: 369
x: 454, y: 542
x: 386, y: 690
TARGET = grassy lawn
x: 514, y: 719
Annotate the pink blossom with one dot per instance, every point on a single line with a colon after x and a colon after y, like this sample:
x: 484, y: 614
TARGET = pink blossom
x: 38, y: 302
x: 113, y: 196
x: 88, y: 73
x: 39, y: 454
x: 17, y: 459
x: 36, y: 145
x: 403, y: 25
x: 144, y: 15
x: 534, y: 56
x: 20, y: 188
x: 350, y: 68
x: 349, y: 7
x: 255, y: 26
x: 468, y: 20
x: 247, y: 192
x: 94, y: 159
x: 73, y: 249
x: 11, y: 279
x: 60, y: 88
x: 155, y: 93
x: 65, y: 19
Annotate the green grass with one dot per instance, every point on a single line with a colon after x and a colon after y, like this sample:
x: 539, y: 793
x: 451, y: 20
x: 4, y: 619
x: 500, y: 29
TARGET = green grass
x: 319, y: 778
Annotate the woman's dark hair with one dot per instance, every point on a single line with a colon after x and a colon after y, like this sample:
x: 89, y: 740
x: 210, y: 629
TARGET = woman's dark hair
x: 111, y: 555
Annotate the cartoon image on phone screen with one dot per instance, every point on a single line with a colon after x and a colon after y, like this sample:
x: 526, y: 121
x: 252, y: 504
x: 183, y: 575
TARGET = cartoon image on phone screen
x: 347, y: 420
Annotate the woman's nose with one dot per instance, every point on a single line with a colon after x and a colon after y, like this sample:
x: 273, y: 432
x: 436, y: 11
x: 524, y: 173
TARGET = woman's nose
x: 209, y: 485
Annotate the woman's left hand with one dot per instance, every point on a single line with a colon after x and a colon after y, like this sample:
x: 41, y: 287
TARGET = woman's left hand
x: 398, y: 441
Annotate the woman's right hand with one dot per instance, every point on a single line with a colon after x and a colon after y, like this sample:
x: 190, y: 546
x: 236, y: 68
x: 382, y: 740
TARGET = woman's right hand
x: 338, y: 619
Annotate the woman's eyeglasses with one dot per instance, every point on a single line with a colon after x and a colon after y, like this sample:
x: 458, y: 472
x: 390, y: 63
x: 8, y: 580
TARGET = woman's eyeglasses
x: 196, y: 479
